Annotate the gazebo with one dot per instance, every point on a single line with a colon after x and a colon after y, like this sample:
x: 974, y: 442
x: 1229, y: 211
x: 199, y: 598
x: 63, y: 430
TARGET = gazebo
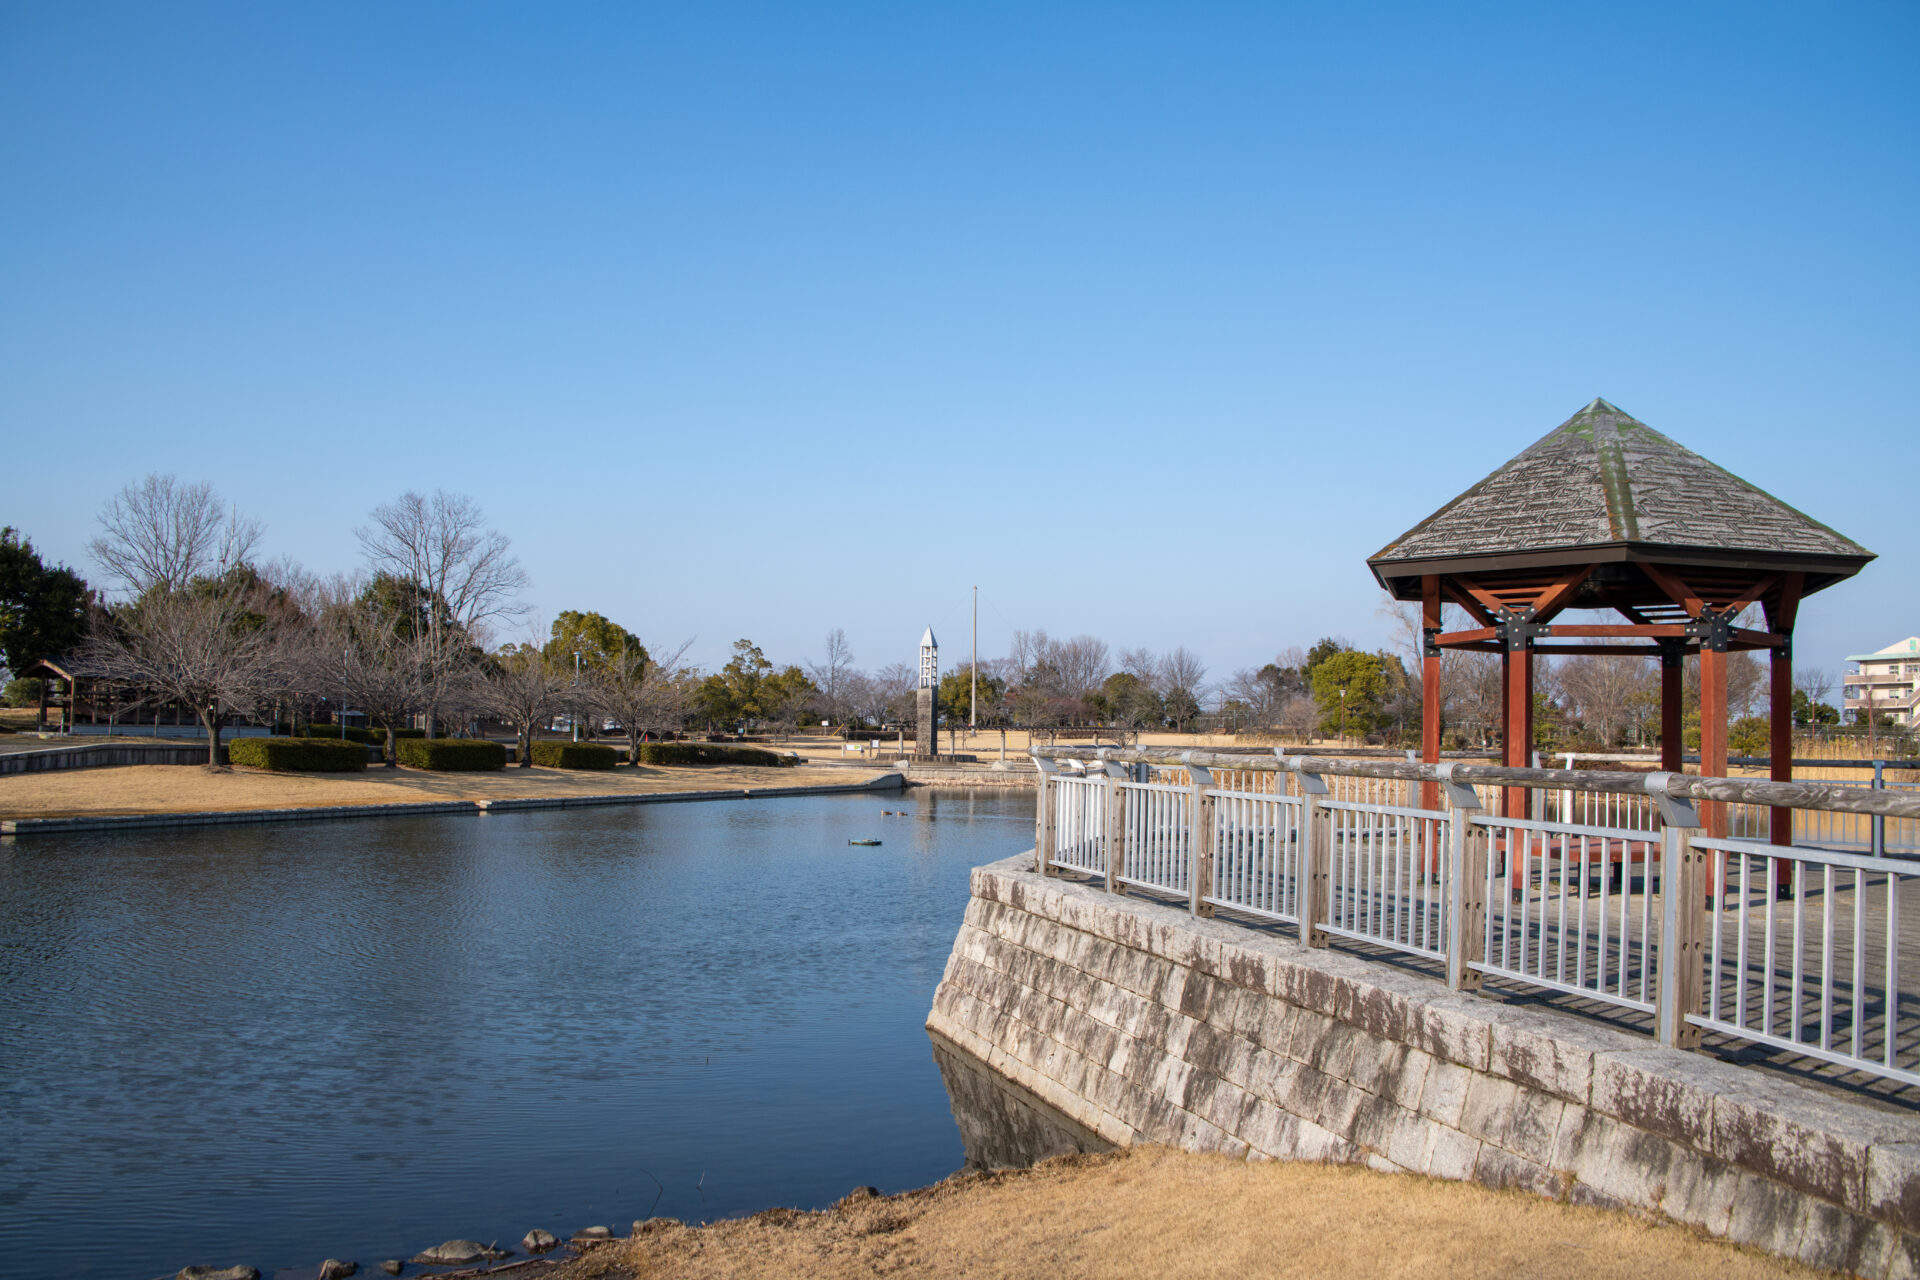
x: 1605, y: 513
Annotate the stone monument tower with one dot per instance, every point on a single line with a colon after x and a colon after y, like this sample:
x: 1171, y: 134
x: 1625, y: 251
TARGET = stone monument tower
x: 926, y: 733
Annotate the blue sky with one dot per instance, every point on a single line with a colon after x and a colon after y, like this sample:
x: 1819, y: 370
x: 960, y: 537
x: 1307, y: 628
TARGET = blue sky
x: 761, y: 320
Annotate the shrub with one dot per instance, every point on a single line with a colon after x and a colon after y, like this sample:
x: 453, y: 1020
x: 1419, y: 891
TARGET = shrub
x: 574, y: 755
x: 666, y: 753
x: 450, y: 755
x: 21, y: 691
x: 298, y: 755
x: 368, y: 737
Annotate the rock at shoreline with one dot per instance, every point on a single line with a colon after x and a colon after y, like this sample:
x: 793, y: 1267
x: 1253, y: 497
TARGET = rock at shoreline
x: 591, y: 1235
x: 652, y: 1225
x: 218, y: 1273
x: 393, y: 1266
x: 538, y: 1241
x: 334, y: 1269
x: 457, y: 1253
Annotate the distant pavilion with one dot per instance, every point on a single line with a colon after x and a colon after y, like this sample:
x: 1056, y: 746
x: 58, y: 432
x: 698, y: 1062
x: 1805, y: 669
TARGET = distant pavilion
x: 1606, y: 514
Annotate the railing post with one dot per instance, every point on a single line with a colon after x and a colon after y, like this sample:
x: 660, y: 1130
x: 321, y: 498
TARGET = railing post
x: 1316, y: 837
x: 1683, y: 890
x: 1879, y: 820
x: 1200, y: 837
x: 1043, y: 818
x: 1467, y: 896
x: 1114, y: 809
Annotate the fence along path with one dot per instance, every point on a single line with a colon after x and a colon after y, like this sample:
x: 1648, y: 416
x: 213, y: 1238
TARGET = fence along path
x: 1615, y: 895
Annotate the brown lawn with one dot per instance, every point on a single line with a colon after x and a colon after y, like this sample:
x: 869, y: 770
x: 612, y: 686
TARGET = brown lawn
x: 193, y: 789
x: 1154, y: 1212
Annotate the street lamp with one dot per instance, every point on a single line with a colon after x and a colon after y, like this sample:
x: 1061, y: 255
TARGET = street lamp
x: 576, y: 695
x: 1343, y: 713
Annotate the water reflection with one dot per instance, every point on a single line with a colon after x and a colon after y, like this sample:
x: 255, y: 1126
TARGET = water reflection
x: 1002, y: 1126
x: 273, y: 1045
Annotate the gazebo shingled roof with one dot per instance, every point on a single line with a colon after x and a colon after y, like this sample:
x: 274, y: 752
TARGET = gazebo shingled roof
x: 1604, y: 487
x: 1604, y: 512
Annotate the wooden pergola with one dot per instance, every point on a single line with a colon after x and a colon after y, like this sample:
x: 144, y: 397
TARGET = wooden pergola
x: 1606, y: 514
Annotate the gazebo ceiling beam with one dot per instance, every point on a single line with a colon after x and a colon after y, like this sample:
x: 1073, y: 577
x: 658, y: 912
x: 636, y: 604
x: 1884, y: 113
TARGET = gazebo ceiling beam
x: 1676, y: 590
x: 1561, y: 593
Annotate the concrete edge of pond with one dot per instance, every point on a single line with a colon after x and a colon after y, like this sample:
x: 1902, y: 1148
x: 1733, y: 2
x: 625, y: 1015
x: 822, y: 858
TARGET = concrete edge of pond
x: 142, y: 821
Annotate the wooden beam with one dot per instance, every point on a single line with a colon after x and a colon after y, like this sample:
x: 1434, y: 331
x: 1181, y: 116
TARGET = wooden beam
x: 1635, y: 650
x: 1755, y: 639
x: 1561, y: 593
x: 1490, y: 602
x: 1713, y: 735
x: 1676, y: 590
x: 1598, y: 630
x: 1754, y: 592
x: 1518, y: 742
x: 1453, y: 639
x: 1467, y: 602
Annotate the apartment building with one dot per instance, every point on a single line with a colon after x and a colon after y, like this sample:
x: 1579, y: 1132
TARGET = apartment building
x: 1889, y: 681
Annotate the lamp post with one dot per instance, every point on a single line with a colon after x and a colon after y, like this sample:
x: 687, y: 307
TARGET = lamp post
x: 576, y: 695
x: 1343, y: 715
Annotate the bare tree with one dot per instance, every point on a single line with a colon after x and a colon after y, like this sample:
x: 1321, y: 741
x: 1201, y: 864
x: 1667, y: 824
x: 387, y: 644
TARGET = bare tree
x: 645, y: 693
x: 896, y: 683
x: 465, y: 573
x: 524, y: 689
x: 1298, y: 716
x: 1602, y: 691
x: 207, y: 646
x: 832, y: 674
x: 162, y: 533
x: 1182, y: 687
x: 384, y: 663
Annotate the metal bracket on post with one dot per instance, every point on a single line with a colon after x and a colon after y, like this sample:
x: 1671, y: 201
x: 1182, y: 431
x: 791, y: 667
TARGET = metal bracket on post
x: 1317, y: 850
x: 1115, y: 808
x: 1042, y: 818
x: 1200, y: 837
x: 1682, y: 915
x: 1467, y: 908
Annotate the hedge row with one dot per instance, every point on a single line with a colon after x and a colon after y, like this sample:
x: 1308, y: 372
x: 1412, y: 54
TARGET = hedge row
x: 372, y: 737
x: 450, y: 755
x: 574, y: 755
x: 711, y: 753
x: 298, y: 755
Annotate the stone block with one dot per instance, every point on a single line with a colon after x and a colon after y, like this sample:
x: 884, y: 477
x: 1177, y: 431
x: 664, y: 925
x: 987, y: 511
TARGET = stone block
x: 1489, y: 1108
x: 1452, y: 1155
x: 1453, y: 1028
x: 1893, y: 1183
x: 1552, y: 1053
x: 1444, y: 1095
x: 1661, y: 1091
x: 1376, y: 1063
x: 1408, y: 1085
x: 1533, y: 1125
x: 1807, y: 1140
x: 1502, y: 1169
x: 1334, y: 1054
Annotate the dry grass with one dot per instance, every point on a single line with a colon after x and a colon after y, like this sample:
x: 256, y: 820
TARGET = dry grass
x: 190, y: 789
x: 1154, y: 1212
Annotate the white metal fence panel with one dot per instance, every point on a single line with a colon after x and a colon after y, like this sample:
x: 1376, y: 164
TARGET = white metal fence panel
x: 1803, y: 953
x: 1257, y: 854
x: 1388, y: 876
x: 1157, y: 836
x: 1562, y: 912
x: 1079, y: 824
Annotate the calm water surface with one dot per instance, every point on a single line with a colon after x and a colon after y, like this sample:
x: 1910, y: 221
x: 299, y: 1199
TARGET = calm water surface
x: 356, y: 1039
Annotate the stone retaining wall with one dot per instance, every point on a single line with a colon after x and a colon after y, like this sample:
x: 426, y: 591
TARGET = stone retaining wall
x: 228, y: 817
x: 1144, y: 1024
x: 94, y: 757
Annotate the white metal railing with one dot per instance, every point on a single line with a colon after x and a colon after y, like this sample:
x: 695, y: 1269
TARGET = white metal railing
x: 1387, y: 876
x: 1157, y: 833
x: 1602, y: 896
x: 1080, y: 832
x: 1803, y: 953
x: 1561, y: 912
x: 1257, y: 854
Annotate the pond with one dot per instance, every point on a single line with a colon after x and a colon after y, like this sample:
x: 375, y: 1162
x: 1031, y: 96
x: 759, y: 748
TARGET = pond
x: 356, y: 1039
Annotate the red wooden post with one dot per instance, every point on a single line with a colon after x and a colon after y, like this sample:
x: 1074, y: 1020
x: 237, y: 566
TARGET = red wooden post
x: 1780, y: 620
x: 1672, y: 729
x: 1519, y: 704
x: 1430, y: 685
x: 1713, y: 733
